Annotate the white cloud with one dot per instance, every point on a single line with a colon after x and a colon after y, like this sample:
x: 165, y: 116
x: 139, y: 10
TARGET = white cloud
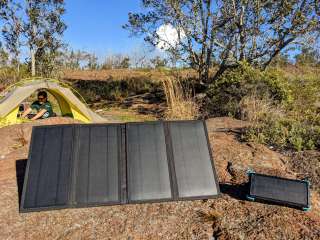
x: 168, y: 36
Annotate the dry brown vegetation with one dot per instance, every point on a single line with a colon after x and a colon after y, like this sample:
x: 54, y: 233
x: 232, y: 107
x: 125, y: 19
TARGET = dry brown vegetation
x: 125, y: 74
x: 255, y: 109
x: 180, y: 103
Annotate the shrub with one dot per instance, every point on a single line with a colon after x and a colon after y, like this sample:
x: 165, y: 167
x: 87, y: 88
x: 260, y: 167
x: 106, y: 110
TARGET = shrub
x: 294, y: 122
x: 285, y: 133
x: 227, y: 91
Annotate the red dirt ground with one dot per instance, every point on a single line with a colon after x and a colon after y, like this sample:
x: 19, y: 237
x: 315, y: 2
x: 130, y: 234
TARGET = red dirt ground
x: 228, y: 217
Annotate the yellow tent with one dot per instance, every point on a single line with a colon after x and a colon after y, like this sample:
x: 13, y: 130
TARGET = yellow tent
x: 69, y: 104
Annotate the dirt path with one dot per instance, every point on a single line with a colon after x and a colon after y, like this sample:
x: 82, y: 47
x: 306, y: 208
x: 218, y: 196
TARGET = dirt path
x: 228, y: 217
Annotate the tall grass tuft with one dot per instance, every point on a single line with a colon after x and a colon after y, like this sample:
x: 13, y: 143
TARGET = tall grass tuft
x: 181, y: 105
x: 256, y: 109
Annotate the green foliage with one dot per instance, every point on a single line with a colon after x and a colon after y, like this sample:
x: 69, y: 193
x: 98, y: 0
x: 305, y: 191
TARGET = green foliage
x: 285, y: 134
x: 305, y: 94
x: 283, y: 108
x: 232, y: 86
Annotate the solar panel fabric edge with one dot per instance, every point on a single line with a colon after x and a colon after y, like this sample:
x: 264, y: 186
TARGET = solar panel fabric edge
x: 216, y: 178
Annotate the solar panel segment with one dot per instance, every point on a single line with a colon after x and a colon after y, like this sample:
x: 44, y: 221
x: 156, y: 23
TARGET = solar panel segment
x: 96, y: 164
x: 48, y: 178
x: 192, y: 160
x: 148, y: 171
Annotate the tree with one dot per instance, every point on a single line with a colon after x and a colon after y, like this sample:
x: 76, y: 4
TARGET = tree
x: 159, y: 62
x: 231, y: 31
x: 141, y: 55
x: 36, y: 24
x: 125, y: 63
x: 4, y: 58
x: 308, y: 56
x: 116, y: 61
x: 4, y: 8
x: 261, y: 30
x: 80, y: 59
x: 43, y: 29
x: 194, y: 23
x: 12, y: 31
x: 92, y: 62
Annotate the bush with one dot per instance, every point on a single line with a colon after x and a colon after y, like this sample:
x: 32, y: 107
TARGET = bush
x: 285, y: 134
x: 226, y: 93
x: 283, y: 109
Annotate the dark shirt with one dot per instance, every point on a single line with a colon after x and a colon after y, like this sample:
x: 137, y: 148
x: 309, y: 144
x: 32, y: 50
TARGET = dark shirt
x: 47, y: 106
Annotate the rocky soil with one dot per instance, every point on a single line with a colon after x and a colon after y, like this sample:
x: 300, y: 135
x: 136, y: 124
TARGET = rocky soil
x: 228, y: 217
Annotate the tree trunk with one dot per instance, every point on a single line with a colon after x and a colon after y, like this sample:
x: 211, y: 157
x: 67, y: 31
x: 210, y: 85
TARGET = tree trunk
x: 203, y: 75
x: 33, y: 63
x: 33, y: 52
x: 276, y: 52
x: 221, y: 70
x: 206, y: 74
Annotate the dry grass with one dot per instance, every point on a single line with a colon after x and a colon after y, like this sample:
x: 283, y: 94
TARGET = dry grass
x: 179, y: 100
x: 125, y: 74
x: 255, y: 109
x: 21, y: 139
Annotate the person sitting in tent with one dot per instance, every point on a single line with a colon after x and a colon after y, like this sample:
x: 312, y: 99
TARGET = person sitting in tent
x: 42, y: 106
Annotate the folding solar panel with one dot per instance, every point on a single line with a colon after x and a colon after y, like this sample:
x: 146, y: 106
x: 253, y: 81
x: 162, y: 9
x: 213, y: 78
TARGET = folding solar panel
x: 279, y: 190
x: 105, y: 164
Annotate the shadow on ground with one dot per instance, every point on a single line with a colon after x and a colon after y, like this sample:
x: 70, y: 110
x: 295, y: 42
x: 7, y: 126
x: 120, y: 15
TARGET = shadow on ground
x: 21, y: 166
x: 237, y: 191
x: 240, y: 191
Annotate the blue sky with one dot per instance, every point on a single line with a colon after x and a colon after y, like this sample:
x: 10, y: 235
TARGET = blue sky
x: 96, y: 26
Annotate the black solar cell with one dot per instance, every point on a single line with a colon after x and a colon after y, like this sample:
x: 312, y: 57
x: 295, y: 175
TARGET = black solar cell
x: 148, y: 172
x: 47, y: 182
x: 280, y: 190
x: 96, y: 164
x: 193, y: 164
